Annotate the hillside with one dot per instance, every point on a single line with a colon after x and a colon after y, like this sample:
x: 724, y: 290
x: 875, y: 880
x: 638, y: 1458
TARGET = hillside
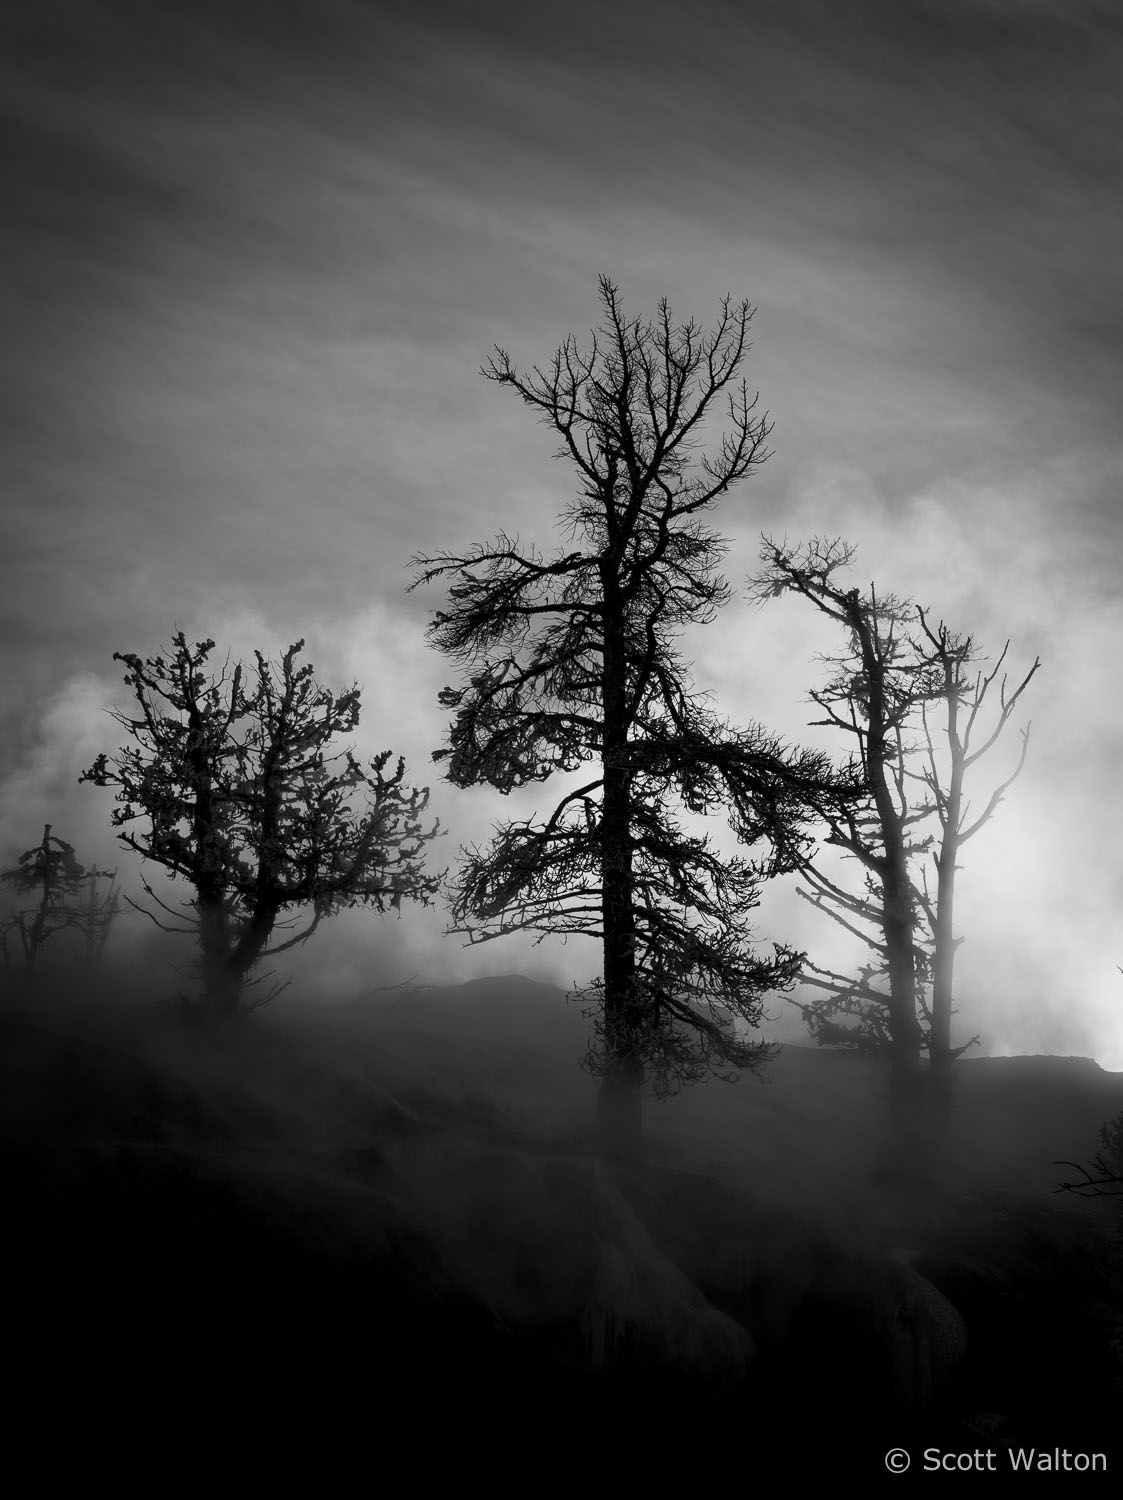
x: 305, y: 1237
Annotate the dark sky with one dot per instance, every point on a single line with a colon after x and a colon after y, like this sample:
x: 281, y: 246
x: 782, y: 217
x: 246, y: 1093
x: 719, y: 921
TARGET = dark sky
x: 254, y: 254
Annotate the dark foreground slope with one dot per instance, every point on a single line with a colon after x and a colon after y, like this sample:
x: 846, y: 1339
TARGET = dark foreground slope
x: 380, y: 1237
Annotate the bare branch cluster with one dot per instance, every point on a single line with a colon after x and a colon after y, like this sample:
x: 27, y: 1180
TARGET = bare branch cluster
x: 898, y: 679
x: 231, y: 776
x: 571, y: 660
x: 1103, y: 1176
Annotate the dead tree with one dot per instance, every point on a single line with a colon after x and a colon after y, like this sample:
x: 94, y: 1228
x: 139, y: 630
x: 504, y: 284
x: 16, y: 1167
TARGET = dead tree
x: 569, y: 661
x: 888, y: 690
x: 960, y: 703
x: 870, y: 695
x: 231, y: 778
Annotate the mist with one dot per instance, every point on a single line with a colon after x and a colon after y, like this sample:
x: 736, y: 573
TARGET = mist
x: 416, y: 1175
x: 256, y: 256
x: 255, y: 272
x: 1037, y: 972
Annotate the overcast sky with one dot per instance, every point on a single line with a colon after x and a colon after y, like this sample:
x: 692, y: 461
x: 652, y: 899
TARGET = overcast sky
x: 256, y: 250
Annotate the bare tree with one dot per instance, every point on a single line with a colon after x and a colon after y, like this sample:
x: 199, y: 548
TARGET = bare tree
x: 232, y: 776
x: 870, y: 695
x: 66, y: 898
x: 896, y: 680
x: 959, y: 705
x: 570, y: 660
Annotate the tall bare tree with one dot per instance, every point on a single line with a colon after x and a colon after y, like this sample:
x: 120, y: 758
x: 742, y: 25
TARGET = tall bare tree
x: 897, y: 680
x: 961, y: 701
x: 870, y: 695
x: 232, y: 776
x: 570, y: 660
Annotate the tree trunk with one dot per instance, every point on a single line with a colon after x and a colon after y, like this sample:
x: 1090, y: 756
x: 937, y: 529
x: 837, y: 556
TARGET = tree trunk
x: 943, y: 936
x: 33, y: 941
x: 940, y: 1051
x: 620, y: 1106
x: 222, y: 986
x: 907, y: 1093
x: 253, y: 940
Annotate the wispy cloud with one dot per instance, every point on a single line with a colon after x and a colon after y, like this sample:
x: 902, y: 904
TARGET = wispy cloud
x: 255, y: 266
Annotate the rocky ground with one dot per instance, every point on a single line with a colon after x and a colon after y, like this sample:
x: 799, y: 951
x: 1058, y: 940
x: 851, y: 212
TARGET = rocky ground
x: 382, y: 1235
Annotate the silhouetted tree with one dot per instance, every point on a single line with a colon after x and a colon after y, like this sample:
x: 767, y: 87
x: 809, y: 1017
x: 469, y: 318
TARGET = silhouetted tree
x: 897, y: 676
x: 67, y: 898
x: 241, y: 799
x: 960, y: 701
x: 569, y: 660
x: 871, y: 693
